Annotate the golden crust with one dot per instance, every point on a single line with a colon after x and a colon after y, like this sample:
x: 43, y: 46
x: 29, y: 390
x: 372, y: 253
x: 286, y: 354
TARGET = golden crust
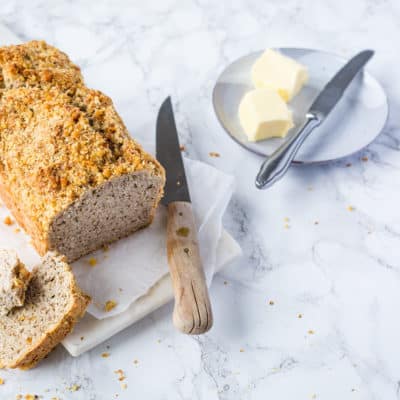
x: 34, y: 55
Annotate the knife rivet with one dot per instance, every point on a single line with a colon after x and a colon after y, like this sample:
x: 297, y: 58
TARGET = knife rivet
x: 178, y: 183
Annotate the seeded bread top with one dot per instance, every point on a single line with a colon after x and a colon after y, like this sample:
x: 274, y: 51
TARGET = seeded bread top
x: 14, y: 279
x: 33, y: 55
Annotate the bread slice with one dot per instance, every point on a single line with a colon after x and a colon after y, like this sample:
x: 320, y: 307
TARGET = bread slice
x: 14, y: 279
x: 53, y: 304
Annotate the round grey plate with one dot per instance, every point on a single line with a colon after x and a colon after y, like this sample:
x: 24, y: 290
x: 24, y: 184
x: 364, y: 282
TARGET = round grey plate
x: 354, y: 123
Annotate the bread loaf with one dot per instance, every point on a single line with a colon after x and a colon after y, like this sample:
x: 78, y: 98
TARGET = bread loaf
x: 70, y: 173
x: 53, y: 303
x: 14, y: 279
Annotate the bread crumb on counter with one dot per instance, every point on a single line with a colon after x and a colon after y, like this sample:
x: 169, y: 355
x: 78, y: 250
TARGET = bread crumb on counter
x: 271, y: 303
x: 8, y: 221
x: 110, y: 305
x: 17, y: 230
x: 350, y: 208
x: 124, y: 386
x: 74, y: 388
x: 299, y: 315
x: 182, y: 147
x: 214, y: 154
x: 105, y: 355
x: 92, y: 262
x: 1, y: 381
x: 136, y: 362
x: 241, y: 350
x: 365, y: 158
x: 121, y: 374
x: 310, y: 332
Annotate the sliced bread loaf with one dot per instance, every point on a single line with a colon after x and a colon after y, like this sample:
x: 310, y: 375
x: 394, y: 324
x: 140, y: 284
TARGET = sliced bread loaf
x: 14, y: 279
x: 52, y: 306
x: 70, y: 173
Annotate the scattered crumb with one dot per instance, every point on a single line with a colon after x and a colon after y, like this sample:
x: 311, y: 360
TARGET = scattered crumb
x: 124, y: 386
x: 353, y: 390
x: 286, y: 226
x: 1, y: 381
x: 135, y: 361
x: 316, y: 222
x: 8, y: 221
x: 350, y: 208
x: 31, y: 397
x: 348, y: 165
x: 182, y: 147
x: 310, y: 332
x: 120, y: 290
x: 286, y: 219
x: 105, y: 355
x: 74, y: 388
x: 55, y: 398
x: 17, y: 230
x: 82, y: 337
x: 241, y: 350
x: 214, y: 154
x: 18, y: 397
x: 299, y: 315
x: 121, y: 374
x: 110, y: 304
x: 92, y: 262
x: 158, y: 340
x: 365, y: 158
x: 271, y: 303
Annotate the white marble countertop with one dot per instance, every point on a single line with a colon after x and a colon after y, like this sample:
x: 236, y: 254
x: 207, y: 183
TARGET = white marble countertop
x: 333, y: 274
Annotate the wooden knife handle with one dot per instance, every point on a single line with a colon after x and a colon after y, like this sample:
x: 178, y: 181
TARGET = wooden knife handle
x: 192, y: 311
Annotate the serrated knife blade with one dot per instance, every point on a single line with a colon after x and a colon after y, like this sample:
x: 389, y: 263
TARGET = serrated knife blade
x: 169, y: 155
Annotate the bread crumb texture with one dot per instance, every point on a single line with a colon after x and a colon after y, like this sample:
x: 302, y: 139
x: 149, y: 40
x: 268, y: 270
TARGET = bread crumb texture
x: 58, y: 138
x: 110, y: 305
x: 53, y: 304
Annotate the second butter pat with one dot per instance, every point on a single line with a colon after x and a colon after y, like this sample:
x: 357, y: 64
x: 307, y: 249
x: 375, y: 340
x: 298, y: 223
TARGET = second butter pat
x: 263, y: 114
x: 276, y: 71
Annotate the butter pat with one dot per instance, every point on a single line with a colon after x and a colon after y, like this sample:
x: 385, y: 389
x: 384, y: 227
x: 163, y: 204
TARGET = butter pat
x: 263, y: 114
x: 276, y: 71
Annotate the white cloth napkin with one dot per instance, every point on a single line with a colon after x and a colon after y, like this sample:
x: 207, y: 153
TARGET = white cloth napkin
x: 131, y: 266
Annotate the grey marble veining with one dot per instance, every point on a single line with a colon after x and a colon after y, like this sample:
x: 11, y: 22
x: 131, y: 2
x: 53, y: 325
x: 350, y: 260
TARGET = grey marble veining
x: 332, y: 274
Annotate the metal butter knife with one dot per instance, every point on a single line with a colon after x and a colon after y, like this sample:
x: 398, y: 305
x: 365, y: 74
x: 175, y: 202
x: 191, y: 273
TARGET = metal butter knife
x: 276, y: 165
x: 192, y: 311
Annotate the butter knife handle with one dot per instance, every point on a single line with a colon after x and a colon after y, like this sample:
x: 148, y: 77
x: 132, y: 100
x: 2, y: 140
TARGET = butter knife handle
x: 192, y: 311
x: 276, y: 165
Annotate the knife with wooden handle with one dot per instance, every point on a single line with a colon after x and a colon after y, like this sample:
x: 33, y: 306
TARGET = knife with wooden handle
x: 192, y: 311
